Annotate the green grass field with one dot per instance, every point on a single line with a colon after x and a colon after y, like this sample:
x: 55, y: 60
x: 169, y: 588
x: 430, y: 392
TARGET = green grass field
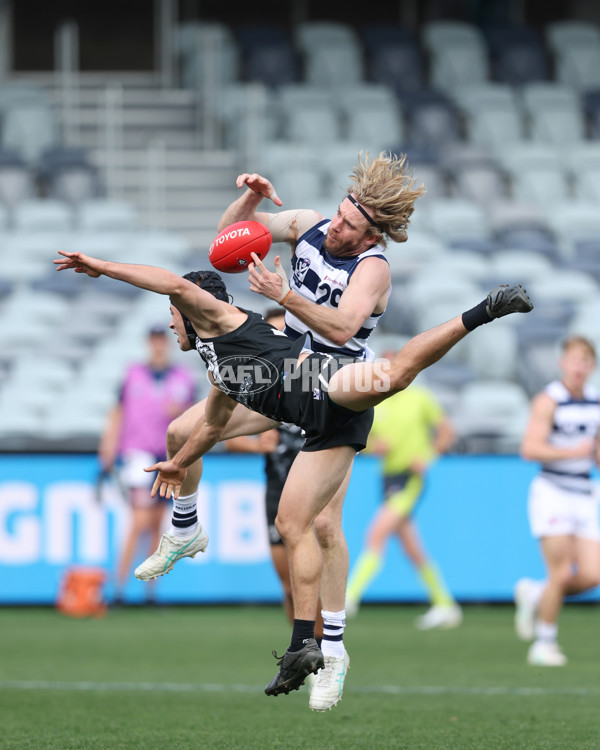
x: 194, y: 678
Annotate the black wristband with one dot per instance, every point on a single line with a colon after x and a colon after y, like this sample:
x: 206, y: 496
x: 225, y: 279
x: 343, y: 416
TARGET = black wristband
x: 476, y: 316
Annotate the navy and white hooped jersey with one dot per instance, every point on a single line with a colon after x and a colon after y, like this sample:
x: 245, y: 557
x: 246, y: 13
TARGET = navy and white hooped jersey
x: 322, y: 278
x: 574, y: 420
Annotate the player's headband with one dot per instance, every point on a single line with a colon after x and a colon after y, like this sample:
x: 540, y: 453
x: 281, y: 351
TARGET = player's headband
x: 353, y: 200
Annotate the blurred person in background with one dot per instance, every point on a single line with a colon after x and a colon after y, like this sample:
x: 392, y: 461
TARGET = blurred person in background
x: 409, y: 431
x: 562, y: 434
x: 280, y: 447
x: 151, y: 395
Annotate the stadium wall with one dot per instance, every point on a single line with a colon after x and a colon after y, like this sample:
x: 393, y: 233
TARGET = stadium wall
x: 472, y: 518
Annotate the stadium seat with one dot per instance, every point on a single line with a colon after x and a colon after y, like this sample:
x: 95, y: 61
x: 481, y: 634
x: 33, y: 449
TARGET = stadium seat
x: 494, y: 127
x: 518, y: 54
x: 516, y: 156
x: 440, y: 34
x: 267, y: 54
x: 493, y: 355
x: 518, y: 265
x: 555, y: 112
x: 373, y: 96
x: 579, y: 66
x: 468, y: 263
x: 399, y: 64
x: 67, y: 174
x: 567, y: 34
x: 332, y: 65
x: 433, y: 177
x: 564, y: 284
x: 452, y: 67
x: 106, y: 215
x: 203, y: 47
x: 29, y: 127
x: 378, y: 133
x: 276, y: 157
x: 581, y: 157
x: 483, y: 183
x: 491, y: 416
x: 273, y: 65
x: 311, y: 34
x: 313, y: 124
x: 591, y: 106
x: 336, y: 162
x: 473, y: 98
x: 543, y: 186
x: 16, y: 179
x: 576, y: 220
x: 419, y: 252
x: 432, y: 121
x: 43, y: 215
x: 247, y: 107
x: 455, y: 219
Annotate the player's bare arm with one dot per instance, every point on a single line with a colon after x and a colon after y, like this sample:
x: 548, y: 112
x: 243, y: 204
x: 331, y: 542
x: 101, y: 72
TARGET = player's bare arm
x: 209, y: 316
x: 535, y: 445
x: 367, y: 293
x: 207, y: 432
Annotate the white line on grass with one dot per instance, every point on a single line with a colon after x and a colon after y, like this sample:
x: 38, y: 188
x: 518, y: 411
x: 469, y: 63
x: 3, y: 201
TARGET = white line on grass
x: 185, y: 687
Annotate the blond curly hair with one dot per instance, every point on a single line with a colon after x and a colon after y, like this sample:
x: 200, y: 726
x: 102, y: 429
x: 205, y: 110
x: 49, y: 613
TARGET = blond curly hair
x: 383, y: 185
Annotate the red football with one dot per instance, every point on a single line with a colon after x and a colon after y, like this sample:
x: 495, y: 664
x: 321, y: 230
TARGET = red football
x: 230, y: 250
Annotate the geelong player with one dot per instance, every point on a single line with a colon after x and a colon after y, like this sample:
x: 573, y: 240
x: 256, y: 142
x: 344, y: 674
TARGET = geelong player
x: 562, y: 435
x: 332, y: 403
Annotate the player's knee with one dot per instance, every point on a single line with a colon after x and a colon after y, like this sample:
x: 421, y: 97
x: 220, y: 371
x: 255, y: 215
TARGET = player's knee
x: 401, y: 376
x: 562, y: 577
x: 283, y: 527
x: 326, y: 530
x: 177, y: 434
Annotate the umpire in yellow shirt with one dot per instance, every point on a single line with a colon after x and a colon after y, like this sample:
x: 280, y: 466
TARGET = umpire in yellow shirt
x: 409, y: 431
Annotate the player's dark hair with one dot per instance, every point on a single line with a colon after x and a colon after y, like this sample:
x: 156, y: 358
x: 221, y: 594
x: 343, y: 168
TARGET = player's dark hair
x: 212, y: 283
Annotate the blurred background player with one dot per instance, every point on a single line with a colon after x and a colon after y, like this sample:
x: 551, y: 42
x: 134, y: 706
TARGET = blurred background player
x: 409, y: 431
x: 562, y: 434
x: 280, y: 447
x: 152, y: 394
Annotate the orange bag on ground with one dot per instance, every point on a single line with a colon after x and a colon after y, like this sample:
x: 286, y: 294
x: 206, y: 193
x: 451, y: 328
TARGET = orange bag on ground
x: 80, y: 593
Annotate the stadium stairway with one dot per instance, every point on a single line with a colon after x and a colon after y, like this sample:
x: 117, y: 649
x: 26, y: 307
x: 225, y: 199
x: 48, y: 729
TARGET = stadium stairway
x: 150, y: 152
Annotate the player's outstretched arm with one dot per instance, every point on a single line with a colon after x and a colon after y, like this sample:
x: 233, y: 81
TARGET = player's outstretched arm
x: 188, y: 297
x: 207, y: 432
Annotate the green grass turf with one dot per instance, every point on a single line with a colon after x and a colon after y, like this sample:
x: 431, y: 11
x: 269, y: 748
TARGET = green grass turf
x: 193, y: 678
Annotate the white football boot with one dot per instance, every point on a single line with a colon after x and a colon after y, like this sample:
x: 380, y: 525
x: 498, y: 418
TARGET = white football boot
x: 440, y: 616
x: 525, y: 609
x: 170, y: 549
x: 328, y: 684
x: 546, y: 654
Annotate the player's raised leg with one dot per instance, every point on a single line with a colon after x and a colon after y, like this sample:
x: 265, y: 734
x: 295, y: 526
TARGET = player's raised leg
x: 363, y: 385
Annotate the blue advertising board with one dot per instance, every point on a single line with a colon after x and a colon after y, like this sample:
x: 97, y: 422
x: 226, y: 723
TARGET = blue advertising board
x: 472, y: 519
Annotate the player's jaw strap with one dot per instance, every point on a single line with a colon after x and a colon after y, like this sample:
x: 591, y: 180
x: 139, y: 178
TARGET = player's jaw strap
x: 353, y: 200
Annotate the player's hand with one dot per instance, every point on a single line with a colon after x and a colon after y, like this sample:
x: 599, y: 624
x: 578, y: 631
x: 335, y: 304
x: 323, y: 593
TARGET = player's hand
x: 169, y: 480
x: 259, y: 185
x: 266, y: 282
x: 79, y: 262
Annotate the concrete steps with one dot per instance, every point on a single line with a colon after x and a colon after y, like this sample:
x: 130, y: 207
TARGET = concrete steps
x: 147, y: 143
